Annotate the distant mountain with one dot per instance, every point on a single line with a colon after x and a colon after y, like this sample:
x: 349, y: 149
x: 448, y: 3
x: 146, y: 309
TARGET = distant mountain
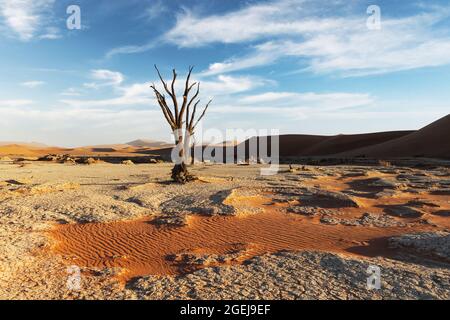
x: 147, y: 143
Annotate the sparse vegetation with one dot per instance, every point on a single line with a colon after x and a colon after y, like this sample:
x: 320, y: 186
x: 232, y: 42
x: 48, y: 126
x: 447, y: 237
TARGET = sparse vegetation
x: 178, y: 117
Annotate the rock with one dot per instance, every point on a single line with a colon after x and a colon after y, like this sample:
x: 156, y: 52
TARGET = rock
x: 419, y: 203
x: 65, y: 158
x: 327, y: 199
x: 387, y: 184
x: 175, y: 220
x: 435, y: 244
x: 442, y: 213
x: 127, y: 162
x: 441, y: 192
x: 403, y: 211
x: 89, y: 161
x: 329, y: 220
x: 49, y: 157
x: 299, y: 275
x: 369, y: 219
x: 309, y: 210
x: 385, y: 194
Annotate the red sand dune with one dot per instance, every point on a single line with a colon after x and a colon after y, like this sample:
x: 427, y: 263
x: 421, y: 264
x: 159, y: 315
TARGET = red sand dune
x: 299, y: 145
x: 27, y: 151
x: 432, y: 141
x: 342, y: 142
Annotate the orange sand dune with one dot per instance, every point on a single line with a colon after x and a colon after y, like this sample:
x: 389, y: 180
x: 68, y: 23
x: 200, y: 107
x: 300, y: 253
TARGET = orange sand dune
x: 432, y: 141
x: 143, y: 248
x: 27, y: 151
x: 311, y: 145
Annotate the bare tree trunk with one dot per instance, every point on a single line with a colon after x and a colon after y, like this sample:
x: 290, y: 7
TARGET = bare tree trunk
x: 187, y: 146
x: 193, y: 153
x: 179, y: 116
x: 180, y: 171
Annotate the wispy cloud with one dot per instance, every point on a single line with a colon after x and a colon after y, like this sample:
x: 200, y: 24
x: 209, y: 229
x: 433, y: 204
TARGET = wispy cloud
x: 154, y: 10
x: 323, y: 43
x: 291, y: 106
x: 32, y: 84
x: 25, y: 18
x: 131, y: 49
x: 309, y: 100
x: 105, y: 78
x: 71, y: 92
x: 51, y: 33
x: 141, y: 94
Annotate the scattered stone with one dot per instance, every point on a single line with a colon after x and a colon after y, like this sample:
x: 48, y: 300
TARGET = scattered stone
x: 442, y: 213
x: 65, y: 158
x: 434, y: 244
x: 387, y: 184
x: 441, y: 192
x: 89, y: 161
x: 385, y: 194
x: 376, y: 220
x: 309, y: 210
x: 300, y: 275
x: 403, y: 211
x: 127, y: 162
x: 330, y: 199
x: 329, y: 220
x: 420, y: 203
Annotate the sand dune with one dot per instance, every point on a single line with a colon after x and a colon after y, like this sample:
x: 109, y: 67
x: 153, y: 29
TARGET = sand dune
x: 342, y: 143
x: 431, y: 141
x: 299, y: 145
x: 27, y: 151
x: 146, y: 143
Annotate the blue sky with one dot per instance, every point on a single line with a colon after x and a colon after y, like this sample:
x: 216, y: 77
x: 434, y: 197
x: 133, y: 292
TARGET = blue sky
x: 300, y: 66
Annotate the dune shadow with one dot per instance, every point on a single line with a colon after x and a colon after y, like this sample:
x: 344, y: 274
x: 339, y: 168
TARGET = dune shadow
x: 377, y: 247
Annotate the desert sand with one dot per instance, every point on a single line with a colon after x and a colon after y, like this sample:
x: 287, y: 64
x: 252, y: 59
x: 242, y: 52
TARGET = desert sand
x: 307, y: 232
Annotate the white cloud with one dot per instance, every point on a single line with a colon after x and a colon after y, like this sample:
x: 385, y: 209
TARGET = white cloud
x: 130, y: 49
x: 32, y: 84
x: 275, y: 18
x: 132, y: 95
x: 142, y: 94
x: 309, y: 100
x: 328, y: 42
x: 71, y: 92
x: 51, y: 33
x: 25, y: 17
x: 226, y: 85
x: 288, y: 106
x: 105, y: 78
x: 154, y: 10
x: 14, y: 103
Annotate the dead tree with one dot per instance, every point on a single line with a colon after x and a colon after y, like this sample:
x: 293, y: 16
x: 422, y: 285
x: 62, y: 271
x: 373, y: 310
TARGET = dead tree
x: 191, y: 124
x: 176, y: 118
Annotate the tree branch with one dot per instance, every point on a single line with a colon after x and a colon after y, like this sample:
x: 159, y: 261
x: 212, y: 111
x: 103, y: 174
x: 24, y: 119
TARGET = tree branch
x: 203, y: 114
